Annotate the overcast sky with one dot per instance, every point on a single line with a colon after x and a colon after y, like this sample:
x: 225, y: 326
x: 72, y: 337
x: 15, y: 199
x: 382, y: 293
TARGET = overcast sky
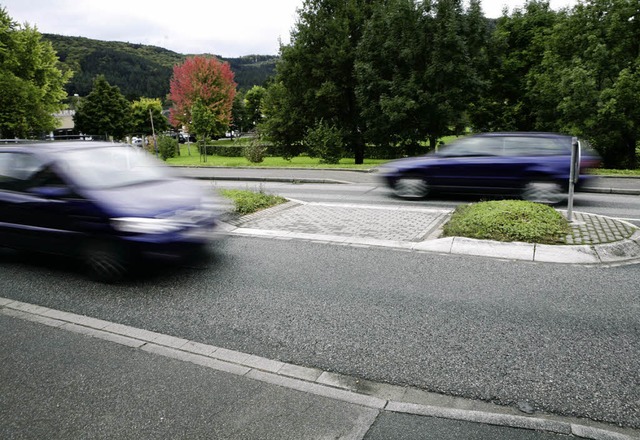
x: 228, y: 28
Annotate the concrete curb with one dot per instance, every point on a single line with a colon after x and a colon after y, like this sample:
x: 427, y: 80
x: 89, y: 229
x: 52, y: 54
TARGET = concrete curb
x: 596, y: 190
x: 378, y: 396
x: 607, y: 254
x: 621, y: 191
x: 276, y: 180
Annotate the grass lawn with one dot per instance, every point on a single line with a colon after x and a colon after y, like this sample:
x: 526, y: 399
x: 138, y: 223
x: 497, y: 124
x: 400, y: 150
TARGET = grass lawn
x: 194, y: 160
x: 612, y: 172
x: 300, y: 161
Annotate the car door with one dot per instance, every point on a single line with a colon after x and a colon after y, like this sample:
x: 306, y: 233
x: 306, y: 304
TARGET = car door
x: 35, y: 206
x: 15, y: 227
x: 474, y: 164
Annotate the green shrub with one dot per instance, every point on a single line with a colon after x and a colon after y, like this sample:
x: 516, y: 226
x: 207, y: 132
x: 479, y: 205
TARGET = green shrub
x: 326, y: 142
x: 255, y: 151
x: 247, y: 202
x: 167, y: 147
x: 508, y: 220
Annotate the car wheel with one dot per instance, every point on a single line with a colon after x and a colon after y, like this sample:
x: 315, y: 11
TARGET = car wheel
x: 540, y: 191
x: 411, y: 187
x: 105, y: 261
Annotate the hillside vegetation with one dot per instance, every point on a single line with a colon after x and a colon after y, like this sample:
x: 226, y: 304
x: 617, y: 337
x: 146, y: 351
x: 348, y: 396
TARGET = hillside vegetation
x: 140, y: 70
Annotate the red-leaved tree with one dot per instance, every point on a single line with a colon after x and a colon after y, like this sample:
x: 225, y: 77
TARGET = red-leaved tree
x: 203, y: 83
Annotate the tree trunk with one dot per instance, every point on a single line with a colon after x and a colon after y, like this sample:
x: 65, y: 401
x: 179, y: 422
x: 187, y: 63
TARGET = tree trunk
x: 433, y: 143
x: 359, y: 151
x: 631, y: 156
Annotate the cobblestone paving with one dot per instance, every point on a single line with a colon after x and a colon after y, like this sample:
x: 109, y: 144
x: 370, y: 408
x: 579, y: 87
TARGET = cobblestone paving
x: 595, y: 229
x: 351, y: 221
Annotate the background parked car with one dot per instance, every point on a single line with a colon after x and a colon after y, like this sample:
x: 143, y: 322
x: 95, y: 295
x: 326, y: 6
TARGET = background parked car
x: 186, y: 137
x: 110, y: 205
x: 534, y: 166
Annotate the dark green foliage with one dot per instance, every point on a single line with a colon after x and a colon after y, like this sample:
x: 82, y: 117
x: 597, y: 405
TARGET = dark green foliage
x: 104, y: 112
x: 315, y: 78
x: 282, y: 129
x: 516, y: 48
x: 326, y: 142
x: 588, y: 83
x: 393, y: 73
x: 418, y: 69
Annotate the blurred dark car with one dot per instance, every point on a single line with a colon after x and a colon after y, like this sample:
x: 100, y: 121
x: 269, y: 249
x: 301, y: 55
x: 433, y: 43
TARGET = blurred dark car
x: 112, y: 205
x: 184, y: 137
x: 533, y: 166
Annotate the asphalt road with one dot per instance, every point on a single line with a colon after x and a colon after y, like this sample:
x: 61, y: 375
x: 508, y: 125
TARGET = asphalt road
x: 565, y: 339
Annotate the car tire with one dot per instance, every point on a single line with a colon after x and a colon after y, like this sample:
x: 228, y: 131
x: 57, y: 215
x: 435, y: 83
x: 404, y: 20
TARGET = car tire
x: 105, y: 261
x: 543, y: 191
x: 411, y: 187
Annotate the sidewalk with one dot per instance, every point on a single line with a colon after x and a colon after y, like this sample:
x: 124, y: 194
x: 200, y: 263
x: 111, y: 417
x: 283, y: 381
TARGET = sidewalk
x: 93, y: 378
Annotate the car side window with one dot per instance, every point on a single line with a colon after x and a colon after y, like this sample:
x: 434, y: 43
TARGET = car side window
x: 45, y: 177
x: 532, y: 146
x: 16, y: 169
x: 474, y: 146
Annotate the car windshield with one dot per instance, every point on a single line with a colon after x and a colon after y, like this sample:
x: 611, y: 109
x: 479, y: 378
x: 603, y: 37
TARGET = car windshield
x: 112, y: 167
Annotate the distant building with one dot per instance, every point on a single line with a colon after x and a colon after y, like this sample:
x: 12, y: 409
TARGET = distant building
x: 66, y: 127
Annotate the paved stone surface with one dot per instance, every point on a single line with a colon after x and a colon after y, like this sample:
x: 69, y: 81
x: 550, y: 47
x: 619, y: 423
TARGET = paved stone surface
x: 597, y: 229
x: 351, y: 221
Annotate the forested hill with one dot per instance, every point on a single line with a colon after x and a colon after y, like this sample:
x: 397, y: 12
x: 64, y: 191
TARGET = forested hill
x: 140, y: 70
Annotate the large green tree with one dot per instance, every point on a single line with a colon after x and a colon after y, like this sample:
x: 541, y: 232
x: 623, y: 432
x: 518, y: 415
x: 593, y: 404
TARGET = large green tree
x: 253, y: 104
x: 316, y: 73
x: 281, y: 123
x: 143, y: 111
x: 104, y: 112
x: 517, y: 46
x: 31, y: 85
x: 588, y: 83
x: 418, y: 70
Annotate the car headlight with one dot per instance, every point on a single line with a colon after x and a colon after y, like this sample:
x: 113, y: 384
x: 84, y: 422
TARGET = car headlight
x: 136, y: 225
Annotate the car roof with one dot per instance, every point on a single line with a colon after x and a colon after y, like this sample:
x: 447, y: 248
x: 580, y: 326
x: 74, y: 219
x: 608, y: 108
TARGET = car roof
x: 523, y: 134
x: 56, y: 146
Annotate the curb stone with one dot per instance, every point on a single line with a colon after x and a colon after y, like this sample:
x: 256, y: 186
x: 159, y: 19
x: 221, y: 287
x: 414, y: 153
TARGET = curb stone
x: 595, y: 240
